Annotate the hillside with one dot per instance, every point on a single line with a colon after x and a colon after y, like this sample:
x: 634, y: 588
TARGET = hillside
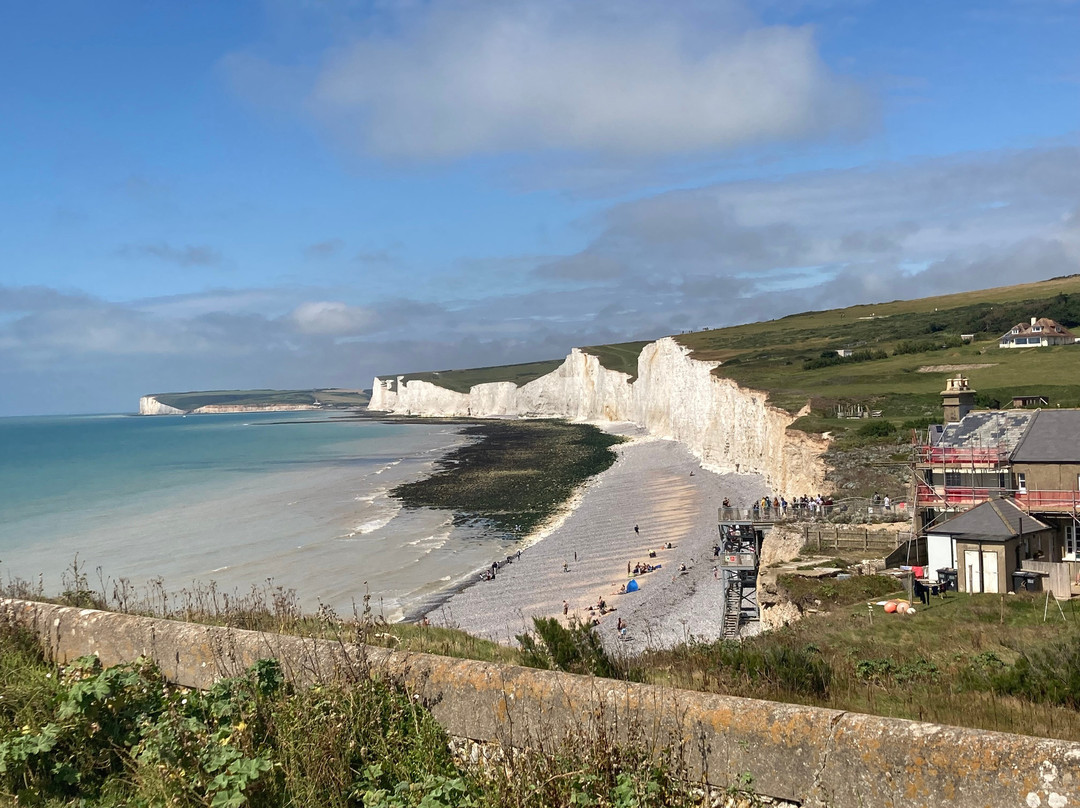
x: 238, y: 400
x: 904, y: 350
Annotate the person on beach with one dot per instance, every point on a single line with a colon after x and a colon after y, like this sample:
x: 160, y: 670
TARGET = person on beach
x: 565, y: 608
x: 565, y: 567
x: 636, y: 530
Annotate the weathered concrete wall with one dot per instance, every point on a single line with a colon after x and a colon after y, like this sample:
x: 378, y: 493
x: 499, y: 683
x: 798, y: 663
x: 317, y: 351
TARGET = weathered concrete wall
x: 814, y: 756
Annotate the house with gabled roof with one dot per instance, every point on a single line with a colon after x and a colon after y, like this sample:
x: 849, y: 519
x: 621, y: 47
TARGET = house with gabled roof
x: 987, y: 545
x: 1031, y: 458
x: 1040, y: 332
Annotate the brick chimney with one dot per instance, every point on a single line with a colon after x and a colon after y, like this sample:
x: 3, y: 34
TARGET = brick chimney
x: 958, y: 399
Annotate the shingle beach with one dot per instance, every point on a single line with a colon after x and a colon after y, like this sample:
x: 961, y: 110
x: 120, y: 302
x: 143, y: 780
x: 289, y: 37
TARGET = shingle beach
x: 661, y: 488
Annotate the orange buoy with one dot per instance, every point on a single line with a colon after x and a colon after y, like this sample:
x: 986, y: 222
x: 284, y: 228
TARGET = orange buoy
x: 890, y: 606
x: 902, y: 607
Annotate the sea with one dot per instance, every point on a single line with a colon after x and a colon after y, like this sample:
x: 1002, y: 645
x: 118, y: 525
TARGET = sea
x: 296, y: 501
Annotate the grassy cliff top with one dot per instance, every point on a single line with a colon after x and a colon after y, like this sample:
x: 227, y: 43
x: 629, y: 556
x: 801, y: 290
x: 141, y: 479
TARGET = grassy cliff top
x: 263, y: 398
x: 621, y: 357
x: 904, y: 350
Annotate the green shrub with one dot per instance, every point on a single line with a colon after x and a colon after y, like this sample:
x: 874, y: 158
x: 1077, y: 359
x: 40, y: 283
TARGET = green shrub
x: 794, y: 669
x: 1050, y: 675
x: 574, y: 649
x: 877, y: 429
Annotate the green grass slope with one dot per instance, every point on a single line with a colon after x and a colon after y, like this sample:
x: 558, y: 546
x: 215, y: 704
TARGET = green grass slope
x: 461, y: 381
x: 907, y: 348
x: 263, y: 398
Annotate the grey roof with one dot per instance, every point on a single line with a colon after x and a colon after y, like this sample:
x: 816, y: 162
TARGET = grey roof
x: 1053, y: 437
x: 987, y: 430
x: 997, y: 520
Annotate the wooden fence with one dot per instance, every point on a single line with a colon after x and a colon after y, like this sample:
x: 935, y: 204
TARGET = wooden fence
x: 840, y: 537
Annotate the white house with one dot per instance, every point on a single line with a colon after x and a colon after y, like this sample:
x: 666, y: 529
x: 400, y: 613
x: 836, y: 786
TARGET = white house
x: 1040, y: 332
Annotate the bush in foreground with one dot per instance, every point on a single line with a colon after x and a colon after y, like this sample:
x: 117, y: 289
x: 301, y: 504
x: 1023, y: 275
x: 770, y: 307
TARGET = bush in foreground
x: 122, y: 736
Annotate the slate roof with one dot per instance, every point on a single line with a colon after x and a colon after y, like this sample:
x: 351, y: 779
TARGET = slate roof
x: 987, y: 430
x: 1052, y: 437
x: 996, y: 520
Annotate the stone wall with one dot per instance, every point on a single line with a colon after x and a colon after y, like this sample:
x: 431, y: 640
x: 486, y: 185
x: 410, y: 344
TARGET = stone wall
x: 812, y: 756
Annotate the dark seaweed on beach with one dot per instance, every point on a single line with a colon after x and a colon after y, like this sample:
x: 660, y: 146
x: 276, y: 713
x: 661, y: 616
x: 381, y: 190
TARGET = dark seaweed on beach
x: 516, y: 475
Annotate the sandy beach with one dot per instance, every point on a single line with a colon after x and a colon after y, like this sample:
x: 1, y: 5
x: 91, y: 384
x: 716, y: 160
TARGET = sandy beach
x: 661, y: 488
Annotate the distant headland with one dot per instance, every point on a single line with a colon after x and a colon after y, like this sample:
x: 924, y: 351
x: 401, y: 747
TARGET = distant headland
x: 222, y: 401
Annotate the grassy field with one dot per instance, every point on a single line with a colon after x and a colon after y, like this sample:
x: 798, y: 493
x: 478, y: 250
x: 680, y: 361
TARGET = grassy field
x: 908, y: 349
x: 621, y: 357
x: 983, y: 661
x: 461, y: 381
x: 254, y: 398
x: 778, y: 356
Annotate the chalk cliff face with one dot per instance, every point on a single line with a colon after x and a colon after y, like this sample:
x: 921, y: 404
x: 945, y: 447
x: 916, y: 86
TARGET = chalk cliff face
x: 148, y: 405
x: 731, y: 429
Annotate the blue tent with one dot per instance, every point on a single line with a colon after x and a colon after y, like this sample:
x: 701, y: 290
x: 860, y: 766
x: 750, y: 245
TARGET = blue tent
x: 631, y: 585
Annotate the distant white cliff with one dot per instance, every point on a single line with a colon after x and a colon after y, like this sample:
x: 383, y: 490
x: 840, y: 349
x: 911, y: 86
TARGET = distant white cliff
x: 148, y: 405
x: 729, y: 428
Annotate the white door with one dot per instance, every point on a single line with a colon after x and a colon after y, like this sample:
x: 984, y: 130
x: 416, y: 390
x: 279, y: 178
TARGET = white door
x: 990, y: 571
x: 972, y: 571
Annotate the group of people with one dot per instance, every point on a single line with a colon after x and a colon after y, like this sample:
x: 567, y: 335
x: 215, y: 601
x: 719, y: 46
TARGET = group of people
x: 778, y: 506
x: 489, y: 574
x: 885, y: 502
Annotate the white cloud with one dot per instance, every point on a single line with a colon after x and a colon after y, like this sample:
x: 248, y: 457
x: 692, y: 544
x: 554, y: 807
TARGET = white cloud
x: 332, y: 318
x: 629, y: 77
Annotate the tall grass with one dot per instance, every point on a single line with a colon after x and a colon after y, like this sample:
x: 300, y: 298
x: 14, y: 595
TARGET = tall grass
x: 122, y: 736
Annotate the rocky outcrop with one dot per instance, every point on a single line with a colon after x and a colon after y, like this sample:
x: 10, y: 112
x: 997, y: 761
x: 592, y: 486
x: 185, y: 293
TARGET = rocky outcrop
x: 729, y: 428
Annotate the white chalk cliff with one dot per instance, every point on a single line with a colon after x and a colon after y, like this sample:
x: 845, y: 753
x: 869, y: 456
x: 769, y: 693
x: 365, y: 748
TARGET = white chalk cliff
x: 730, y: 428
x: 148, y: 405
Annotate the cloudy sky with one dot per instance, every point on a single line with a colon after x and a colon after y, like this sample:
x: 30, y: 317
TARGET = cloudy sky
x: 287, y: 194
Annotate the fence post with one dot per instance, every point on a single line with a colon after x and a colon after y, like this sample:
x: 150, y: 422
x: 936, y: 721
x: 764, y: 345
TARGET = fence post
x: 836, y: 537
x: 866, y: 539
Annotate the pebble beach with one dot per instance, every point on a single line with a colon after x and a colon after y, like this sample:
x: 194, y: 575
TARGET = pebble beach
x: 582, y: 556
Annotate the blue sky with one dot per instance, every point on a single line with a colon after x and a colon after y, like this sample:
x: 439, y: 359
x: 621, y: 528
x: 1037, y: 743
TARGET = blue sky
x: 304, y: 194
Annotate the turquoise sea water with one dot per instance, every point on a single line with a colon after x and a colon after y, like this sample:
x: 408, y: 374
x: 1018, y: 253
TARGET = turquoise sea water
x: 299, y: 498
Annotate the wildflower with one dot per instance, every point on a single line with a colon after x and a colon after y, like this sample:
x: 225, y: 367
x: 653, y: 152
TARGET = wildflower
x: 241, y: 726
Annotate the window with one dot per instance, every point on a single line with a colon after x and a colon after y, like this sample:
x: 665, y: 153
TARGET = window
x: 1016, y: 330
x: 1072, y: 541
x: 952, y: 478
x: 1036, y: 329
x: 1021, y: 482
